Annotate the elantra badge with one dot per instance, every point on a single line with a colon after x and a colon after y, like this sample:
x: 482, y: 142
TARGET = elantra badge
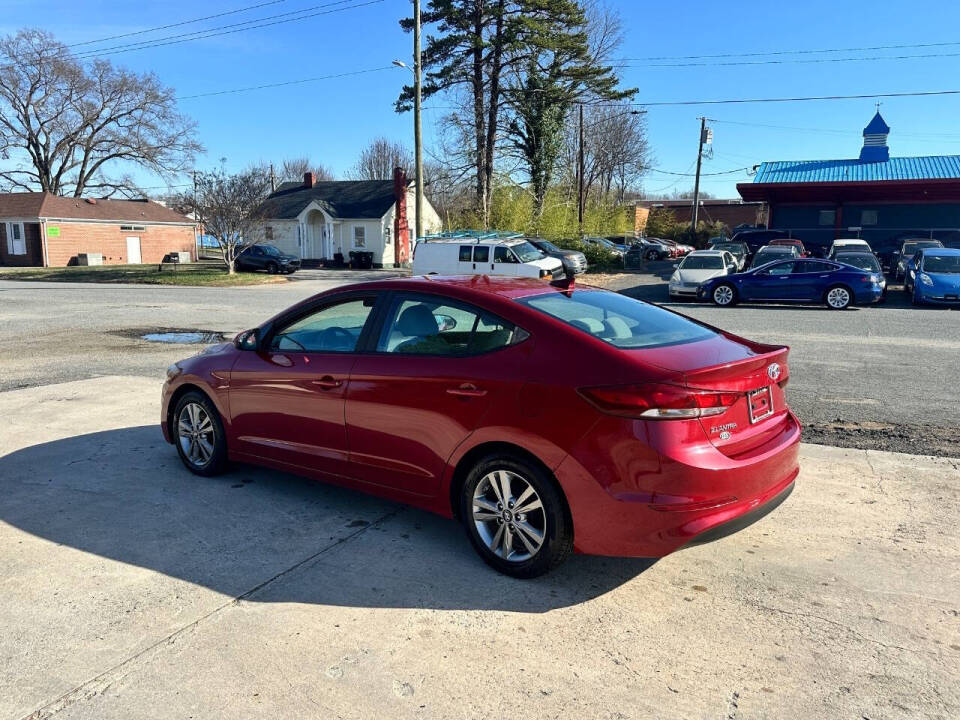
x: 773, y: 371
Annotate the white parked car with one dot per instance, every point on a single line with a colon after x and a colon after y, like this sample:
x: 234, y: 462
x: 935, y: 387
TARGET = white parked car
x: 512, y: 257
x: 848, y: 245
x: 698, y: 267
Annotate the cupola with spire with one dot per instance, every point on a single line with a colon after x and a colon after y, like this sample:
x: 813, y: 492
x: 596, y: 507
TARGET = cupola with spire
x: 875, y: 140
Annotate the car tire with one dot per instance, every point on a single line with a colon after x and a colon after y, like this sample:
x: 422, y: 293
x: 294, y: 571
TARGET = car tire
x: 519, y: 544
x: 198, y: 433
x: 838, y: 297
x: 724, y: 295
x: 271, y: 268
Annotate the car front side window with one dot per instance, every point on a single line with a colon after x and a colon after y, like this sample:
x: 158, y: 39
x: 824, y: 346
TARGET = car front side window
x: 332, y: 328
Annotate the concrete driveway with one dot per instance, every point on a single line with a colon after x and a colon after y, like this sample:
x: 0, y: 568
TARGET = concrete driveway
x: 131, y: 588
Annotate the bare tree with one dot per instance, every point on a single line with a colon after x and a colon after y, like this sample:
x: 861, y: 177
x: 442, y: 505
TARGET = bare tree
x: 64, y: 124
x: 293, y: 169
x: 379, y: 158
x: 616, y: 151
x: 229, y: 208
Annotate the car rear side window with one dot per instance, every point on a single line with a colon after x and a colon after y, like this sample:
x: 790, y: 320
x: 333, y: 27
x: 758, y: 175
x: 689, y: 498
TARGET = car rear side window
x: 481, y: 254
x: 465, y: 252
x: 617, y: 319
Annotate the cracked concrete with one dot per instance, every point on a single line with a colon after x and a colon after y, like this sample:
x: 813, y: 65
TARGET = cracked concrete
x: 130, y: 588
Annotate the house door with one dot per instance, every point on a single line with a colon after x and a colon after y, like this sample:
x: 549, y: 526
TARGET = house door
x: 133, y: 251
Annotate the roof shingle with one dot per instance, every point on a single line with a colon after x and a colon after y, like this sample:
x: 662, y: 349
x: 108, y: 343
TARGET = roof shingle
x: 47, y: 205
x: 354, y: 199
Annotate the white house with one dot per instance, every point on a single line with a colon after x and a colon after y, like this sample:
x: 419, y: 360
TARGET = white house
x: 319, y: 220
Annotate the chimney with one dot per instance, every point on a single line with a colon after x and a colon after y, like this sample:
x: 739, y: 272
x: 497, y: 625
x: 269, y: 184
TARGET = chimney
x: 401, y: 229
x: 309, y: 179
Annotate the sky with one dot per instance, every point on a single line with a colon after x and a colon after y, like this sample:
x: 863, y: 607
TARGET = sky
x: 331, y: 120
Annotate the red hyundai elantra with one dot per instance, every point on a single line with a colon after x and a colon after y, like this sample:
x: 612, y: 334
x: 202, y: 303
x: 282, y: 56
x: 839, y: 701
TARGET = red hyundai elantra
x: 546, y: 419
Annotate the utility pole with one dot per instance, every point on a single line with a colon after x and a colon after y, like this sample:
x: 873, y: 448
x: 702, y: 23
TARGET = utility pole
x: 417, y: 137
x: 696, y: 183
x: 580, y: 173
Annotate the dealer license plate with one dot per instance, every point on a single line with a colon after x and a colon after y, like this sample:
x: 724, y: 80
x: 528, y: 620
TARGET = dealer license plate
x: 761, y: 403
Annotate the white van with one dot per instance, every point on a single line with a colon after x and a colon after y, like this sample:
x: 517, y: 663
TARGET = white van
x: 513, y: 257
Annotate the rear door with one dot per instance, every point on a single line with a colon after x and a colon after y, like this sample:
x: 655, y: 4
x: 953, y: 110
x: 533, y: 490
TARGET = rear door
x: 439, y: 366
x: 807, y: 279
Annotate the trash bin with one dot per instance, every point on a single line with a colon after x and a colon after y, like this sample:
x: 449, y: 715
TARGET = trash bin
x: 361, y: 260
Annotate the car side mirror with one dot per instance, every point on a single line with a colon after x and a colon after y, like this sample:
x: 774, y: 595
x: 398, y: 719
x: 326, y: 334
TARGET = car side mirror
x: 248, y: 340
x: 444, y: 322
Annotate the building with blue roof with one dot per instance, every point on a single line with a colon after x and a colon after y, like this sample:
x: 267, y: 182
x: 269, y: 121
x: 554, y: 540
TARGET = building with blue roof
x: 879, y: 198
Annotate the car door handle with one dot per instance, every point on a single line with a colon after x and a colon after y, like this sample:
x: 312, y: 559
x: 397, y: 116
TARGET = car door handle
x: 327, y: 382
x: 466, y: 390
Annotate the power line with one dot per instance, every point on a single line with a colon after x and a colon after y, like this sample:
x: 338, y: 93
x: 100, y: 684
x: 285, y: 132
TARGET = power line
x: 807, y: 51
x: 177, y: 24
x: 227, y: 29
x: 688, y: 174
x: 788, y: 61
x: 739, y: 101
x: 283, y: 84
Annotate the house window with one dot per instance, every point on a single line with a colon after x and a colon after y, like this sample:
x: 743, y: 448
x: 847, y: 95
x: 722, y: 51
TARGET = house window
x: 16, y: 245
x: 136, y: 228
x: 828, y: 217
x: 868, y: 217
x: 359, y: 236
x: 386, y: 235
x: 268, y: 232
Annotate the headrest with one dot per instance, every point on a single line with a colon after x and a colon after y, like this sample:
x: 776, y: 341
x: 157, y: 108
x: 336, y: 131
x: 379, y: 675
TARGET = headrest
x: 417, y: 321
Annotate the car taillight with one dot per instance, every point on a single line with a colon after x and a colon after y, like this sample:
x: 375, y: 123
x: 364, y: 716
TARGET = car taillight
x: 658, y: 401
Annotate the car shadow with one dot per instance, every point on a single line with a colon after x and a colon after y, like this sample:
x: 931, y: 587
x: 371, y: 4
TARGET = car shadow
x: 123, y: 494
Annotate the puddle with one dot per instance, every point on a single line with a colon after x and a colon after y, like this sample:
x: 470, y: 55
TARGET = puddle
x: 185, y: 337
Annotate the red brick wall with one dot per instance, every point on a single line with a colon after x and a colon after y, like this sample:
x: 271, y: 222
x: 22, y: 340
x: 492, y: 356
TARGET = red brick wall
x: 108, y: 239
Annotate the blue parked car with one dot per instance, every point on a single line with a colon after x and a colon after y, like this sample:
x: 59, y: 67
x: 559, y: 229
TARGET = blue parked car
x: 804, y: 280
x: 933, y: 276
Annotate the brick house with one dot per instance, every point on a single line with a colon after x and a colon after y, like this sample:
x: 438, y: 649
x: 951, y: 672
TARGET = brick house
x: 46, y: 230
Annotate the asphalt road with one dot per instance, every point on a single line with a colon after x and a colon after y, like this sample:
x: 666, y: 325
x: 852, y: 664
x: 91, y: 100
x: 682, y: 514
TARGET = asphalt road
x: 885, y: 377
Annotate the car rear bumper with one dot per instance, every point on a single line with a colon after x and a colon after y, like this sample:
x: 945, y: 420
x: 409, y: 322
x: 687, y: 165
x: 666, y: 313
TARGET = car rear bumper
x: 638, y: 502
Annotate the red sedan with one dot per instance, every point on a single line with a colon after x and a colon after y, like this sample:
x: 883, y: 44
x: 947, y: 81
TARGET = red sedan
x: 545, y: 418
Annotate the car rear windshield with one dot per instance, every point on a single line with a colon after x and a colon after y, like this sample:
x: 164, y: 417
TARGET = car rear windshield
x: 617, y: 319
x: 702, y: 262
x: 729, y: 247
x: 862, y: 261
x: 941, y: 263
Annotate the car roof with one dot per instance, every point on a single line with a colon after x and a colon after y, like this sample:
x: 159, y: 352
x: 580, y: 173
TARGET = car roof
x: 850, y: 241
x: 462, y: 286
x: 940, y: 251
x: 707, y: 253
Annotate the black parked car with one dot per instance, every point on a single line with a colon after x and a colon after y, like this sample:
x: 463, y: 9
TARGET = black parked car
x: 756, y: 239
x: 574, y: 262
x: 267, y: 258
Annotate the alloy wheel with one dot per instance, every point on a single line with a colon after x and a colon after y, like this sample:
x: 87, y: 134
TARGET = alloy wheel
x: 838, y: 298
x: 723, y: 295
x: 509, y: 516
x: 196, y: 434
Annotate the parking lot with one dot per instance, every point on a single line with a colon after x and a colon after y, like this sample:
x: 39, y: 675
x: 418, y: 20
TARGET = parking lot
x: 134, y: 589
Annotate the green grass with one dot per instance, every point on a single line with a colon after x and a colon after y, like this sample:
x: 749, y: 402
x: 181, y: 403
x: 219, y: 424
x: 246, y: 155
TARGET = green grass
x: 192, y: 274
